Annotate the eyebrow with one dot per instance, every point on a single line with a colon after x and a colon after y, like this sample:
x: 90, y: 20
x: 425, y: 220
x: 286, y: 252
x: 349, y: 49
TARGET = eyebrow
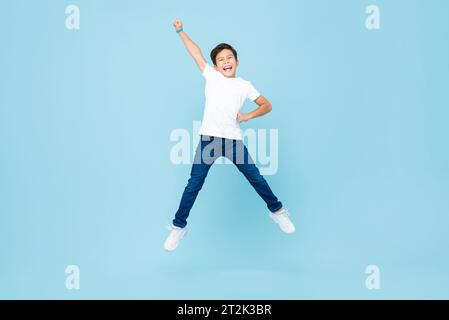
x: 230, y: 55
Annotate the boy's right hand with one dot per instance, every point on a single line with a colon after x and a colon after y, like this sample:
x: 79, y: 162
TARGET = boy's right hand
x: 191, y: 46
x: 177, y: 24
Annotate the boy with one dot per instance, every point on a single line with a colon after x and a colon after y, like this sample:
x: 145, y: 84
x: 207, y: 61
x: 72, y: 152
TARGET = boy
x: 220, y: 133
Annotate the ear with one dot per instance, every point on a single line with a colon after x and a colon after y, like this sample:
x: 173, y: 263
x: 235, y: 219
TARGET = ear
x: 215, y: 67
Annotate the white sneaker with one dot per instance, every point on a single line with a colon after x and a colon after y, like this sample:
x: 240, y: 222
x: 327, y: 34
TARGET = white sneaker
x: 282, y: 219
x: 172, y: 241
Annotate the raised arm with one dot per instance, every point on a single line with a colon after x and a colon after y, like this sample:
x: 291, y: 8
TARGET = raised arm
x: 191, y: 47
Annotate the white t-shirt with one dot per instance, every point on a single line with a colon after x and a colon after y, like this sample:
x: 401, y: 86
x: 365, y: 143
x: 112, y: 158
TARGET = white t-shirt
x: 224, y: 98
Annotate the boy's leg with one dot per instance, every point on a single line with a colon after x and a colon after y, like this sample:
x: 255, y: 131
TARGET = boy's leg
x: 201, y: 165
x: 240, y: 156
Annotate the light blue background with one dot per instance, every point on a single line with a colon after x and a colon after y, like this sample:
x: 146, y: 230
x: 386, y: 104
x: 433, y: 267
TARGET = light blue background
x: 85, y: 119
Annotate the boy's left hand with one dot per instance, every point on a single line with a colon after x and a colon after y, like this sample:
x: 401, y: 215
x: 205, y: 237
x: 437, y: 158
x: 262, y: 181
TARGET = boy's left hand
x: 241, y: 117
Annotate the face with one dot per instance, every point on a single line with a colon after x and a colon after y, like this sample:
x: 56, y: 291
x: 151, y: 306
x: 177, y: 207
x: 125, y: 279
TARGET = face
x: 226, y: 63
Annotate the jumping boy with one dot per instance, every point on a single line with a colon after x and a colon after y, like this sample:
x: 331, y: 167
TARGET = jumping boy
x: 220, y: 134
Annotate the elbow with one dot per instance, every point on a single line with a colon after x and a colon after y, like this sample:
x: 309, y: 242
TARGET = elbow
x: 268, y: 107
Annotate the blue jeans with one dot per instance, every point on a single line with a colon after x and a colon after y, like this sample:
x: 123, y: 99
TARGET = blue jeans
x: 208, y: 150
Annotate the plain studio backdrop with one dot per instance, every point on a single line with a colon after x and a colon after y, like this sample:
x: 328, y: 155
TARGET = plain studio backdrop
x: 86, y: 178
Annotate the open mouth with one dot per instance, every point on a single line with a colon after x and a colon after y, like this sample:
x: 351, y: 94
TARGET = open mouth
x: 227, y: 68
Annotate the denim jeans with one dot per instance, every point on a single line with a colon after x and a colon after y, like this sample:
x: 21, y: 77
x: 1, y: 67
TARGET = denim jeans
x: 208, y: 150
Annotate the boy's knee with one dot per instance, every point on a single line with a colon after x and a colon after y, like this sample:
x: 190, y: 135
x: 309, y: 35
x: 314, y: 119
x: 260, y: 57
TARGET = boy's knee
x: 256, y: 178
x: 195, y: 184
x: 253, y: 175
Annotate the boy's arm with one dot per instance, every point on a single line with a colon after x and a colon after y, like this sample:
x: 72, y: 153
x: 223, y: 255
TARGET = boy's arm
x: 264, y: 107
x: 191, y: 47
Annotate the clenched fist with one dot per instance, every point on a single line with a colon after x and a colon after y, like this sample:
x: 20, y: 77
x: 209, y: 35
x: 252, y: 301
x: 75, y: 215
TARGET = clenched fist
x: 177, y: 24
x: 242, y: 117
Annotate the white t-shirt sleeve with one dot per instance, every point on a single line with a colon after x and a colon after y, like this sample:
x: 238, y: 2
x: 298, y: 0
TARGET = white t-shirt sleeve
x: 253, y: 94
x: 208, y: 71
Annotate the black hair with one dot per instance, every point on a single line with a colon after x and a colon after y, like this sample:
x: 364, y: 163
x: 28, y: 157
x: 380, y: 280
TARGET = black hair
x: 218, y: 49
